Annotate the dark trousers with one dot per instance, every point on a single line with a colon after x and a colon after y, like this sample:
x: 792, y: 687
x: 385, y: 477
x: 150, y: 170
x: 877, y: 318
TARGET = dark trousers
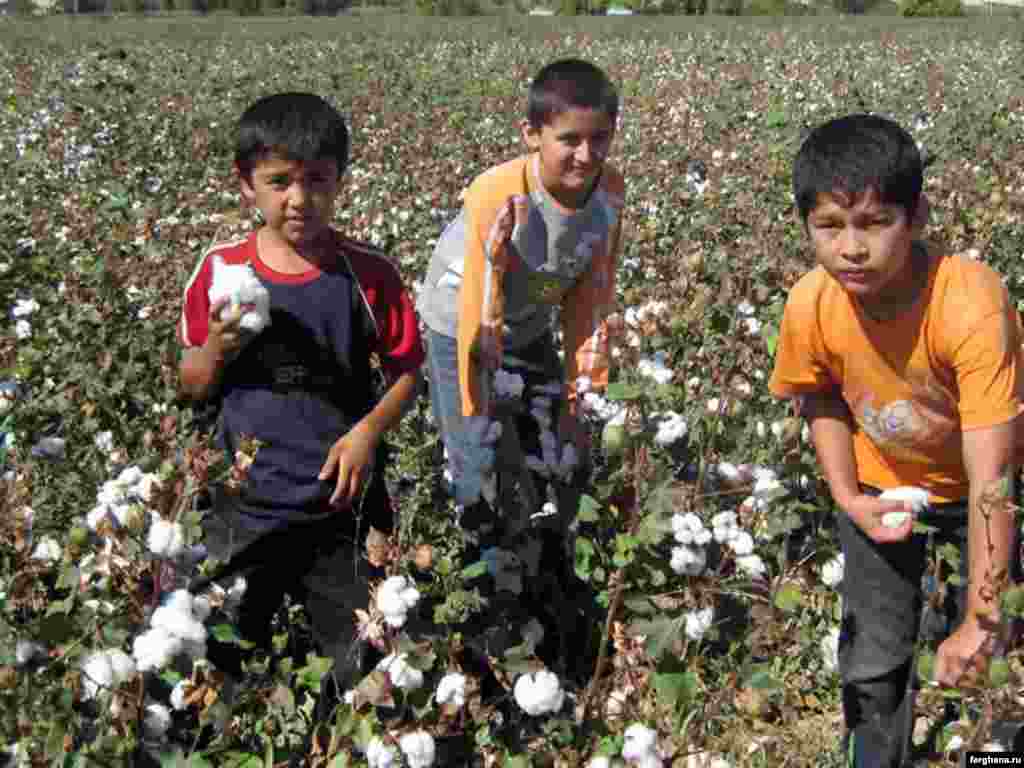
x: 882, y: 604
x: 319, y: 564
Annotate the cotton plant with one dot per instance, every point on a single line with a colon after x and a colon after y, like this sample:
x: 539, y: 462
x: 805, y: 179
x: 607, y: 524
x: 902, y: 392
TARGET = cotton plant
x: 829, y: 647
x: 697, y: 623
x: 175, y: 627
x: 400, y: 672
x: 671, y: 428
x: 451, y: 691
x: 654, y: 368
x: 418, y: 748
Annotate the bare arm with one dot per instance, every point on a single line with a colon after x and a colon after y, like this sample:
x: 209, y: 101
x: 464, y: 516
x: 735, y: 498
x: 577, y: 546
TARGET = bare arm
x: 201, y: 368
x: 988, y: 459
x: 831, y: 428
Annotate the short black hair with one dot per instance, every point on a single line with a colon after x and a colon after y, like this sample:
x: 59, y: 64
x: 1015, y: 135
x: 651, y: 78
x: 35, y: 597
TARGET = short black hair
x: 301, y: 127
x: 567, y: 84
x: 855, y: 153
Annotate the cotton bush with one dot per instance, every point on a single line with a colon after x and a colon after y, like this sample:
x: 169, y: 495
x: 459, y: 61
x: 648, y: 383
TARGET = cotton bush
x: 539, y: 693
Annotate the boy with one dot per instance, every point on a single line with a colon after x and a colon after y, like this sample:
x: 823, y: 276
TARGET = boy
x: 535, y: 234
x: 303, y: 386
x: 905, y: 362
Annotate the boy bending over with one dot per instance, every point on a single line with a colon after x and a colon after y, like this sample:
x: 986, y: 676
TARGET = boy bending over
x: 906, y: 364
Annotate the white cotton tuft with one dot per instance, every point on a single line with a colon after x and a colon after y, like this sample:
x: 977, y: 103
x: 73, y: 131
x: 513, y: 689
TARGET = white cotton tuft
x: 26, y: 651
x: 403, y: 675
x: 539, y: 693
x: 381, y: 755
x: 396, y: 596
x: 671, y: 428
x: 166, y: 539
x: 97, y: 674
x: 418, y: 748
x: 698, y: 623
x: 689, y: 530
x: 752, y: 565
x: 178, y: 695
x: 122, y: 665
x: 742, y: 543
x: 154, y: 649
x: 688, y: 560
x: 47, y: 550
x: 157, y: 720
x: 451, y: 690
x: 830, y: 649
x: 639, y: 741
x: 832, y: 571
x: 239, y: 284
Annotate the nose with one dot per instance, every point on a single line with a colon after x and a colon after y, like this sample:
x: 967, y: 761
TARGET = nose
x: 298, y: 195
x: 586, y: 153
x: 852, y: 248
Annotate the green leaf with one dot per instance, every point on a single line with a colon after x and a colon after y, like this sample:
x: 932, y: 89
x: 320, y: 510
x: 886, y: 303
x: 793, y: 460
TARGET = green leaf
x: 517, y: 761
x: 1012, y: 601
x: 789, y: 598
x: 923, y: 528
x: 56, y: 629
x: 639, y: 604
x: 661, y: 633
x: 998, y: 673
x: 55, y: 739
x: 926, y: 667
x: 762, y: 679
x: 310, y: 675
x: 584, y: 555
x: 620, y: 391
x: 235, y: 759
x: 589, y: 510
x: 675, y: 689
x: 341, y: 760
x: 474, y: 571
x: 226, y: 633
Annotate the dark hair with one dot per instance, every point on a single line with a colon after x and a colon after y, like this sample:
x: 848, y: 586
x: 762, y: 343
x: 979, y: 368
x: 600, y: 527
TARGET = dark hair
x: 855, y: 153
x: 567, y: 84
x: 297, y: 126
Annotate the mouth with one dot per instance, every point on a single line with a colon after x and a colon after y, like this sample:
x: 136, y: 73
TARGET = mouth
x: 858, y: 276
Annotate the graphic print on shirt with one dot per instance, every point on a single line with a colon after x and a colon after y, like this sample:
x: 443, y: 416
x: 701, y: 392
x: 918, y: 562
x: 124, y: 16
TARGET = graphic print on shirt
x: 908, y: 430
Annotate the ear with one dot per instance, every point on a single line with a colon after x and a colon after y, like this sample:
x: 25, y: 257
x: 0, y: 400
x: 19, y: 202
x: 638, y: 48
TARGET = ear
x: 921, y: 215
x: 245, y: 186
x: 531, y: 134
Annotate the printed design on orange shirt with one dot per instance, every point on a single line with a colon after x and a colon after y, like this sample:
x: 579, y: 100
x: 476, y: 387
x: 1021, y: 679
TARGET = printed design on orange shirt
x: 910, y: 429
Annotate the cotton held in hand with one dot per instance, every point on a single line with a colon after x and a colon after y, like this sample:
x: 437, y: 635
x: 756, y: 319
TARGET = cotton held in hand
x: 246, y: 294
x: 918, y: 498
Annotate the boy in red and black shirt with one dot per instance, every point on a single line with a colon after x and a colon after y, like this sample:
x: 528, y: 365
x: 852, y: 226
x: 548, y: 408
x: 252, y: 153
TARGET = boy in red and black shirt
x: 303, y: 386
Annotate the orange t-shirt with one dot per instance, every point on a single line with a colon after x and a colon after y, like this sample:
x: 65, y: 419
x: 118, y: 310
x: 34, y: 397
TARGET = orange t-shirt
x: 950, y: 363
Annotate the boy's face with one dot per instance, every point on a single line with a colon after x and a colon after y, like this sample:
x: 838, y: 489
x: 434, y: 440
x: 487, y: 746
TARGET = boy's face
x: 296, y: 199
x: 573, y: 146
x: 866, y: 244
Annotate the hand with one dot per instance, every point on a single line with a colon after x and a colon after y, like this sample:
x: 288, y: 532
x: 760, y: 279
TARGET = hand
x: 867, y: 512
x: 351, y: 457
x: 963, y: 656
x: 226, y: 336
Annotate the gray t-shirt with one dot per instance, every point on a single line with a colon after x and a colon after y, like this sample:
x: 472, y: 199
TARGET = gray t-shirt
x: 554, y: 245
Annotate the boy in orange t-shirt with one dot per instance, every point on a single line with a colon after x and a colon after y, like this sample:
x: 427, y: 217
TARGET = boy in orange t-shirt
x: 905, y: 363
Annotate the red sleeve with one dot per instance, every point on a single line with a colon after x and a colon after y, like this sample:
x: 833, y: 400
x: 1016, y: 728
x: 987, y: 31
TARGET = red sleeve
x: 398, y: 334
x: 194, y: 324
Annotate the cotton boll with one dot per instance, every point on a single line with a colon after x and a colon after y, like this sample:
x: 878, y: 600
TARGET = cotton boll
x: 918, y: 497
x: 122, y: 665
x: 239, y: 284
x: 832, y: 571
x: 403, y: 675
x: 538, y: 693
x: 688, y: 561
x: 154, y: 649
x: 179, y: 624
x: 156, y: 721
x: 650, y: 760
x: 742, y: 543
x: 381, y: 755
x: 418, y: 748
x: 752, y: 565
x: 451, y: 690
x: 638, y: 742
x: 698, y: 623
x: 26, y: 651
x: 830, y: 649
x: 97, y: 674
x: 166, y: 539
x: 178, y: 694
x: 47, y: 550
